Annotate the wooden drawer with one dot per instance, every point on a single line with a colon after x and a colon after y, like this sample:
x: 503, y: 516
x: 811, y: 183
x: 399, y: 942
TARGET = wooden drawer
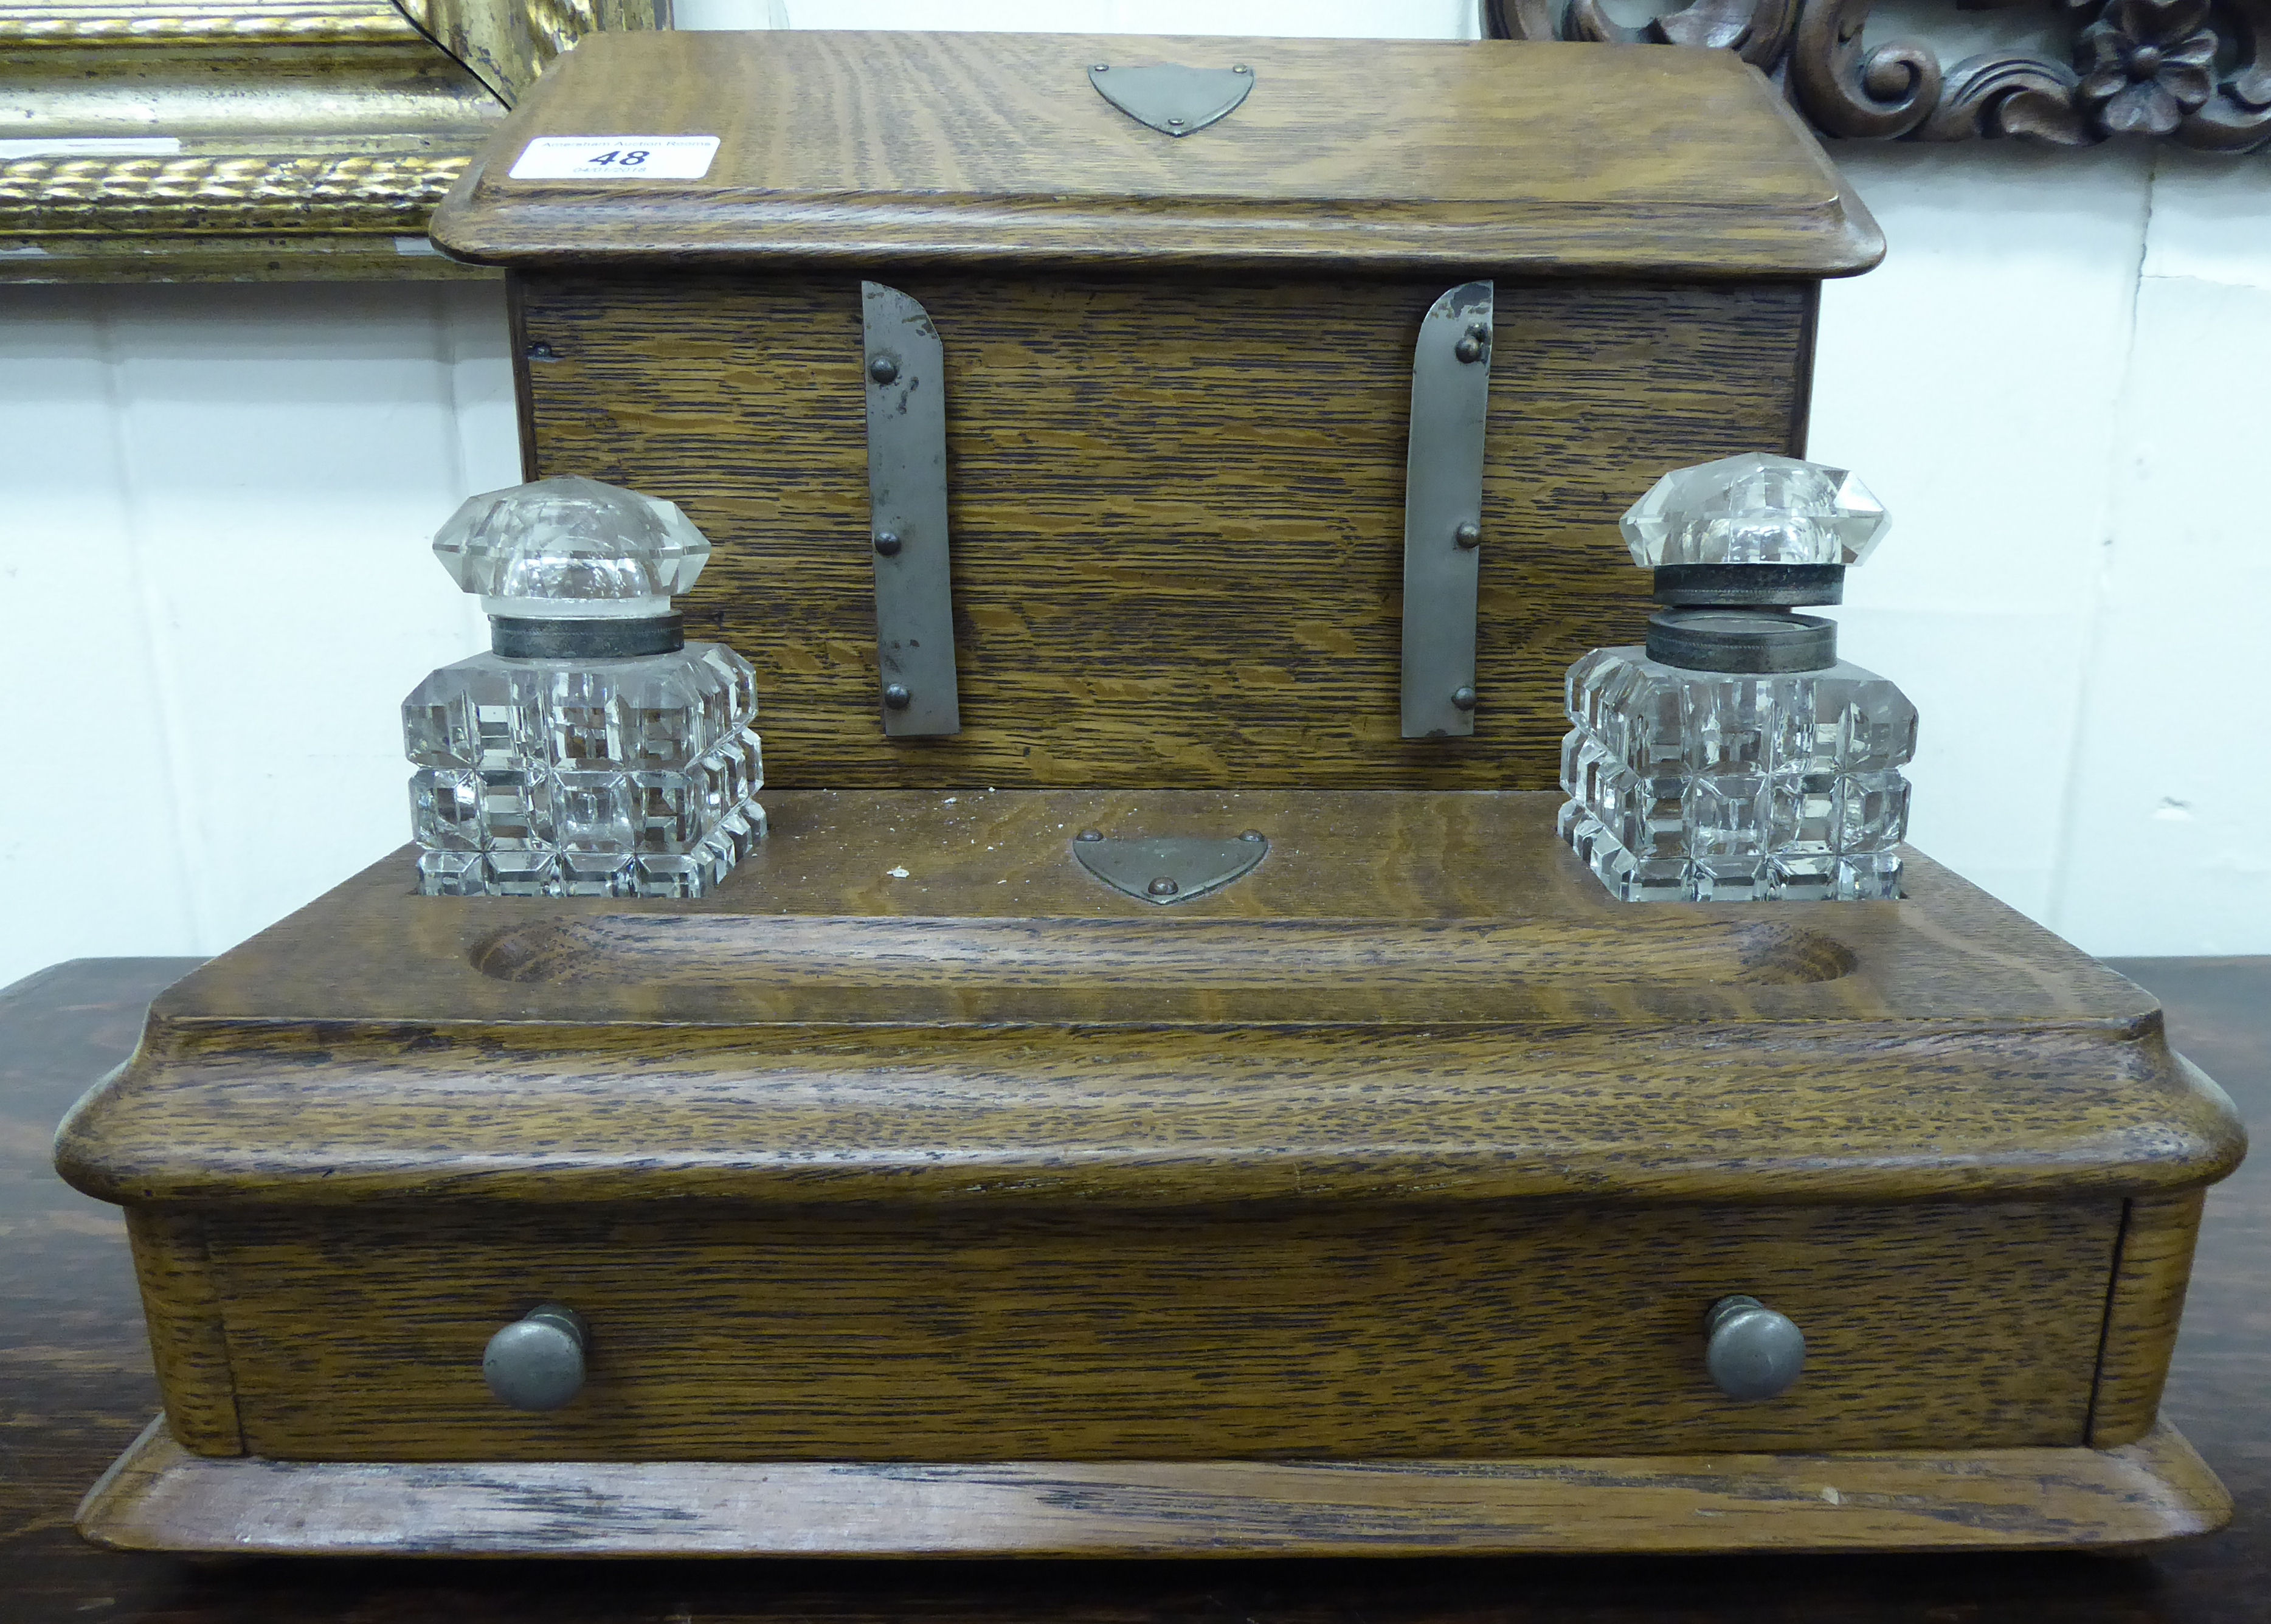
x: 1489, y: 1331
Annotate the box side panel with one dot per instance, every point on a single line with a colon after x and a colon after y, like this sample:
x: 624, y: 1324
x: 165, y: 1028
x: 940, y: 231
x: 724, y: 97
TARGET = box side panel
x: 2141, y: 1315
x: 1177, y: 508
x: 1091, y: 1334
x: 524, y: 394
x: 187, y: 1340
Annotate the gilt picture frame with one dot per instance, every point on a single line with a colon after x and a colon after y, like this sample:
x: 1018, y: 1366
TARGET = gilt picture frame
x: 257, y: 139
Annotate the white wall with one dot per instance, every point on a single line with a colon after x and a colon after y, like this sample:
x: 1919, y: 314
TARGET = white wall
x: 214, y: 581
x: 215, y: 587
x: 2055, y: 383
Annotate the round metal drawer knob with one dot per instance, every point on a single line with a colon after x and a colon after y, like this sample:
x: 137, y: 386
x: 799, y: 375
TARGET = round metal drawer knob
x: 1752, y: 1351
x: 537, y: 1362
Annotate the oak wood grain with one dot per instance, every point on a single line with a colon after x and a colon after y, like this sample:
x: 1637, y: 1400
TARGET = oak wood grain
x: 1868, y: 1112
x: 77, y: 1387
x: 2141, y: 1316
x: 1966, y: 1054
x: 1324, y: 1332
x: 1369, y: 967
x: 879, y: 149
x: 186, y: 1336
x: 750, y: 1104
x: 1485, y: 867
x: 2002, y: 1499
x: 1176, y: 507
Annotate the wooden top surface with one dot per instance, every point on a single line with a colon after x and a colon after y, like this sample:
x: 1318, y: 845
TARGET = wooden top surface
x: 77, y: 1387
x: 884, y: 148
x: 920, y: 908
x: 1416, y: 996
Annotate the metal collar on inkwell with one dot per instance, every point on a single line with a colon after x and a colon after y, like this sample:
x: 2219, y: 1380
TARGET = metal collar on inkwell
x: 522, y: 637
x: 1736, y: 618
x: 1736, y: 546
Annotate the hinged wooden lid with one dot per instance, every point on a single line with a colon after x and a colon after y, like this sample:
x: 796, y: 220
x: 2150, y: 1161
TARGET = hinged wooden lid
x: 1368, y: 155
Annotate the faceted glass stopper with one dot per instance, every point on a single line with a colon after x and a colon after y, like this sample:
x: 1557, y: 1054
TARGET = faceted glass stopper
x: 1755, y: 508
x: 572, y: 539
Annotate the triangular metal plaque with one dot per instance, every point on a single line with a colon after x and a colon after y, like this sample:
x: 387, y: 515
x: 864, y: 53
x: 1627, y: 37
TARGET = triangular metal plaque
x: 1168, y: 870
x: 1170, y: 98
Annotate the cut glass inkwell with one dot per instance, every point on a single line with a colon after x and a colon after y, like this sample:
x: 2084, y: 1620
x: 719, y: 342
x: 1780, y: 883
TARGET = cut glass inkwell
x: 1735, y: 757
x: 593, y: 750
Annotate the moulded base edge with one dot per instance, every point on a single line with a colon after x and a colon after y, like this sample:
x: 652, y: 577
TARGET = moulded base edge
x: 160, y: 1497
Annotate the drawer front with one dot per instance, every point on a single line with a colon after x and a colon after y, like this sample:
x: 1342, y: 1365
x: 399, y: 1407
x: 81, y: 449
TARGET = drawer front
x: 725, y: 1334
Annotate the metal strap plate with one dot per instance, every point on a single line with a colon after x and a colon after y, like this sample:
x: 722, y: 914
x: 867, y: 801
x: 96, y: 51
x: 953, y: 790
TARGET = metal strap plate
x: 1443, y: 512
x: 906, y: 371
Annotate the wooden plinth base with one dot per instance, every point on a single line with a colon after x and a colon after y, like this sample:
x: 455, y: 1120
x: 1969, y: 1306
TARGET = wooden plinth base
x: 160, y: 1497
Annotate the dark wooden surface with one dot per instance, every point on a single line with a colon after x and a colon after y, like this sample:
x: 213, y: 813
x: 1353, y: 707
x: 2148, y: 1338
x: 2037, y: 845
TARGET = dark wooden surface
x: 76, y: 1386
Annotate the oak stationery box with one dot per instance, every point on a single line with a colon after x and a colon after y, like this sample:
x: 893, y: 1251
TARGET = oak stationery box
x: 1134, y: 406
x: 1162, y: 1087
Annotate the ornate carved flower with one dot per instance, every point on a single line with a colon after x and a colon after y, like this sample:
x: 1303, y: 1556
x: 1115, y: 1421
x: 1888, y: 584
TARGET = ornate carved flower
x: 2145, y: 64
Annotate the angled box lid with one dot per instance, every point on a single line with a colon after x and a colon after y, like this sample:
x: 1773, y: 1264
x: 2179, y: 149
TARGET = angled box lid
x: 1362, y: 155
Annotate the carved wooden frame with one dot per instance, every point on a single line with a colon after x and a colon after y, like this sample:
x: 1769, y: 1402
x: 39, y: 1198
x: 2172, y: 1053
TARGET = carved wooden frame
x: 257, y: 139
x: 2197, y: 72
